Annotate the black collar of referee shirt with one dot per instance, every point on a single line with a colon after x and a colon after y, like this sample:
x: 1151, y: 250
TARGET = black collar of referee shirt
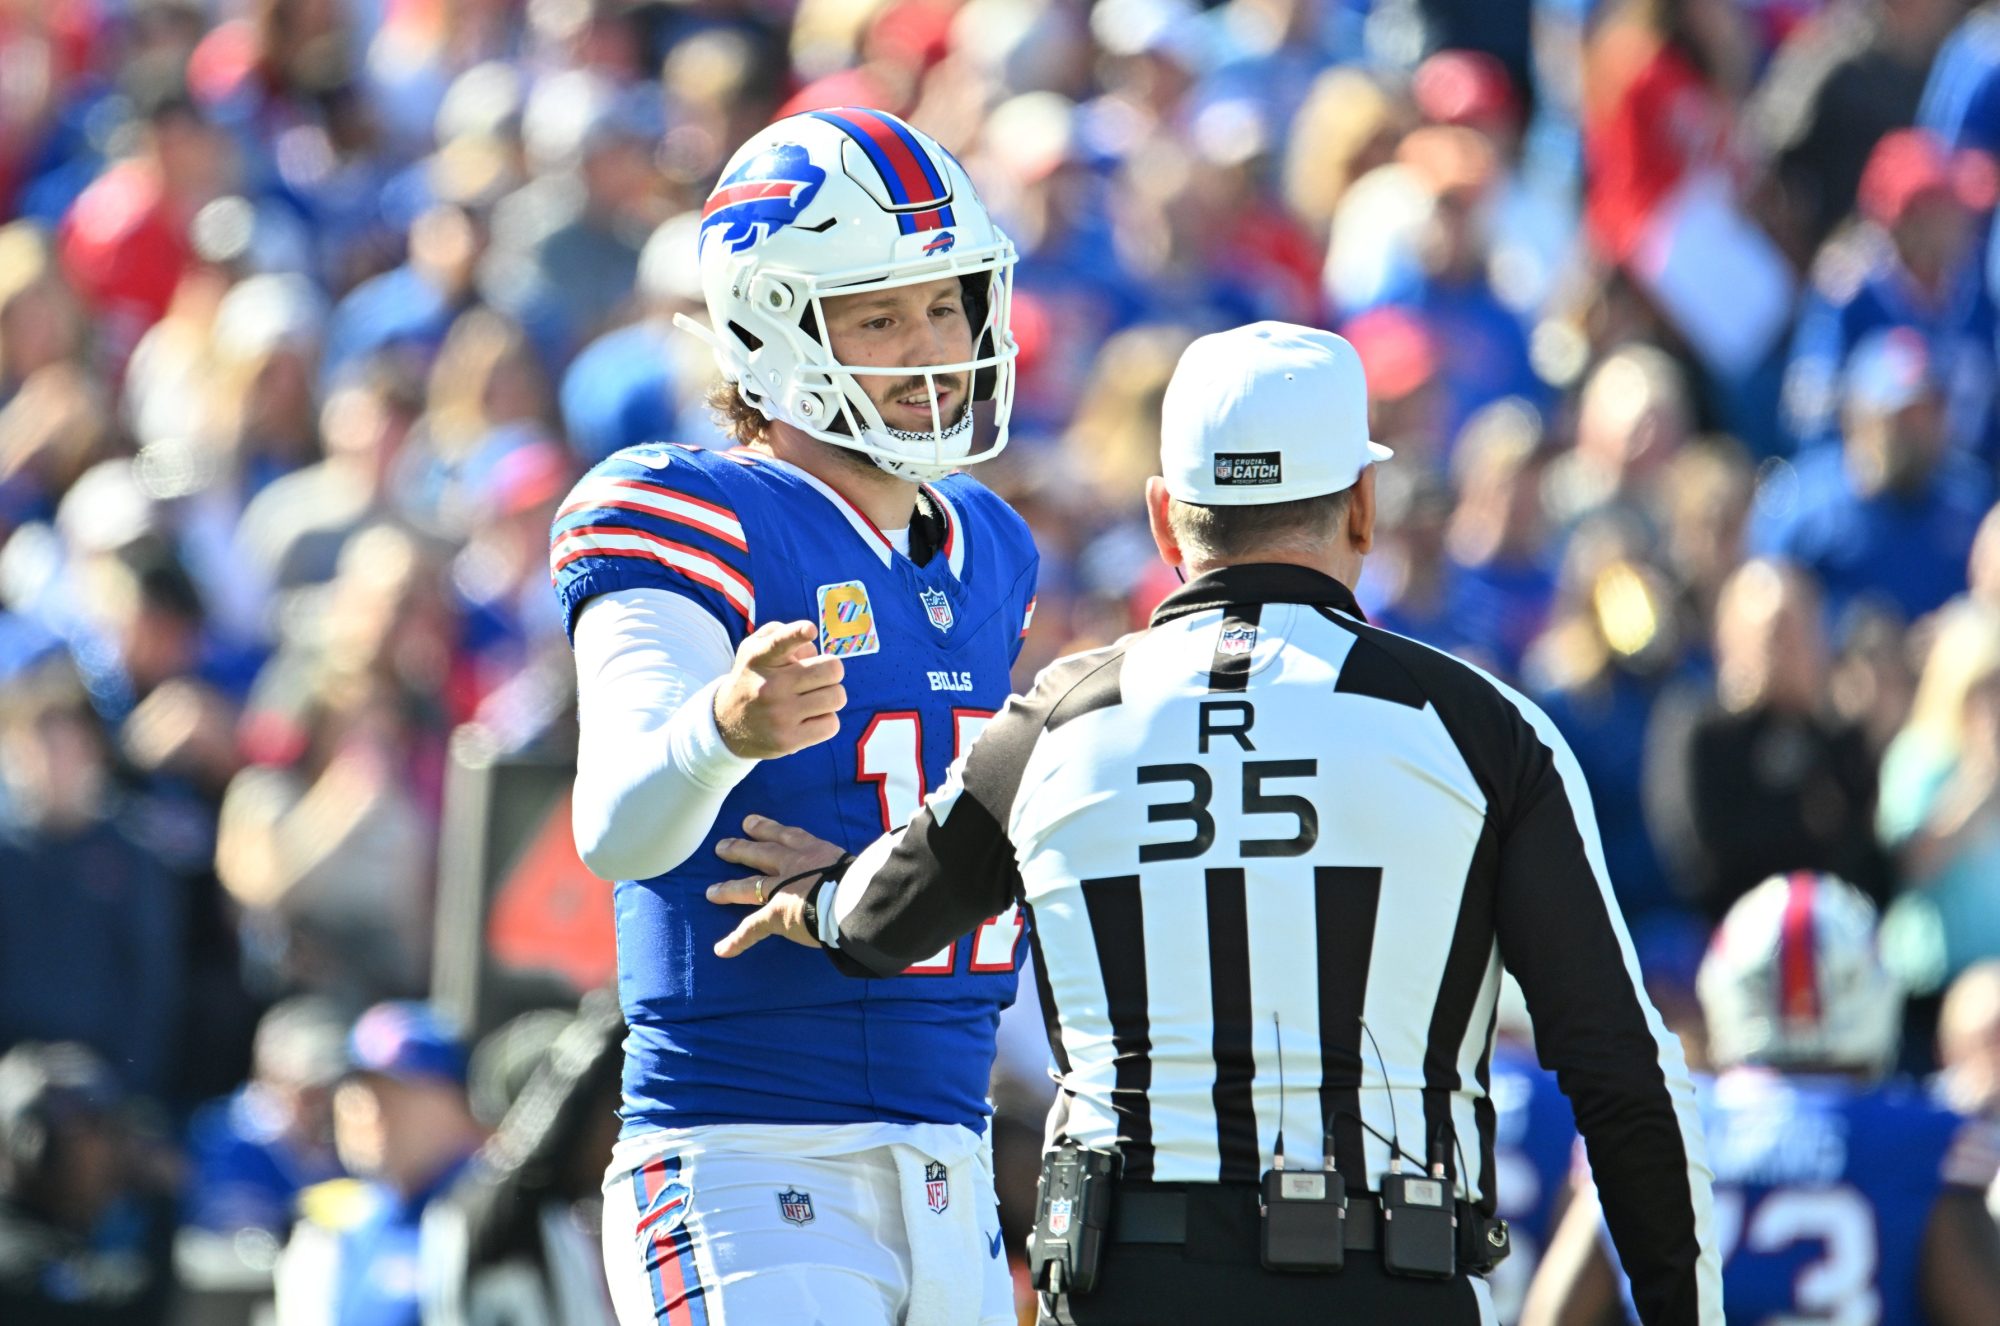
x: 1257, y: 582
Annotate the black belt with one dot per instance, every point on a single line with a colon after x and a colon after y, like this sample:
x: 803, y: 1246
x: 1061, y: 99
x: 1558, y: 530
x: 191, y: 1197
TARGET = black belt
x: 1151, y: 1216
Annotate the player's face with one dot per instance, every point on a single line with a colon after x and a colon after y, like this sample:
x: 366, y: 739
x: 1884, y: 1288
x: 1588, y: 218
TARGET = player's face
x: 914, y: 326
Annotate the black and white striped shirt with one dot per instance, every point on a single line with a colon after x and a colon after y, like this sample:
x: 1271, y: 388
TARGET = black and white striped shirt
x: 1259, y: 825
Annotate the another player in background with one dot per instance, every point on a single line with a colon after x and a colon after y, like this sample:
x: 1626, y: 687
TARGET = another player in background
x: 1840, y: 1197
x: 1534, y: 1136
x: 812, y: 624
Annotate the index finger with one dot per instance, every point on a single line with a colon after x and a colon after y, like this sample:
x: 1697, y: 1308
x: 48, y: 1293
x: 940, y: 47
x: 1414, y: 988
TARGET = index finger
x: 775, y: 645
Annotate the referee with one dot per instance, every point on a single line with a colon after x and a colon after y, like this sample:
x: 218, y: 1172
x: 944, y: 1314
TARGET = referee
x: 1275, y: 859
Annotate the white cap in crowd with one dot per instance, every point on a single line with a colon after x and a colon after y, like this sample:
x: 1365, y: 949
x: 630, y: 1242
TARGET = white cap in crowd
x: 1271, y: 412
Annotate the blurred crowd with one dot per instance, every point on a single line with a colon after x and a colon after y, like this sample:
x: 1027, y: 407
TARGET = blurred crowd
x: 1680, y: 315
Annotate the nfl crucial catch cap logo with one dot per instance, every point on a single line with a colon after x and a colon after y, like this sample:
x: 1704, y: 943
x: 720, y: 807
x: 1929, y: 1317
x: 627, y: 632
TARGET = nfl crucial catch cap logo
x: 1270, y: 412
x: 847, y: 620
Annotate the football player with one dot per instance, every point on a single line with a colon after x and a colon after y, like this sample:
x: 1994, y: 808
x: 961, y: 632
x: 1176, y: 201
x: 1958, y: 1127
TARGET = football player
x: 1839, y: 1196
x: 1534, y: 1135
x: 814, y: 622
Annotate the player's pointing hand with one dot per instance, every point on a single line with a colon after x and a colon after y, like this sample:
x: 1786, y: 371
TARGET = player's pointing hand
x: 782, y: 694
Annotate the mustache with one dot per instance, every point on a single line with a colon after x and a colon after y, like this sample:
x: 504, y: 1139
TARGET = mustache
x: 952, y: 381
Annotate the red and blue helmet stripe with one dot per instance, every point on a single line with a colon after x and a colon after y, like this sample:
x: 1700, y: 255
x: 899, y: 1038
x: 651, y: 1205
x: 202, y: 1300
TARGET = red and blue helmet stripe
x: 916, y: 191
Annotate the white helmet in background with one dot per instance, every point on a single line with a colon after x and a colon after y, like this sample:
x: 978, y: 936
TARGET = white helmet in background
x: 1792, y: 979
x: 837, y: 202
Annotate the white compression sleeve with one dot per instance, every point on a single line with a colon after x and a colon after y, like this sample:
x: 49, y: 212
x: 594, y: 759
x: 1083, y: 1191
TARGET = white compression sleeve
x: 651, y: 768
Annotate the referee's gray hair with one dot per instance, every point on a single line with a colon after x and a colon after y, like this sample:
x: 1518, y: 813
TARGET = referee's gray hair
x: 1222, y: 533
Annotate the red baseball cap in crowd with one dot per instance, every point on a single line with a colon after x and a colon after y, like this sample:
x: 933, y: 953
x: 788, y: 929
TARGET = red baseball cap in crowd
x: 1469, y: 88
x: 1397, y: 351
x: 1908, y: 166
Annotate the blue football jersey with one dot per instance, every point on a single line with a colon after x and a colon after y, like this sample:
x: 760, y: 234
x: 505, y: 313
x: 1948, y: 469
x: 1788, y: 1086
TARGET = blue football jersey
x: 1534, y: 1138
x: 778, y: 1035
x: 1823, y: 1187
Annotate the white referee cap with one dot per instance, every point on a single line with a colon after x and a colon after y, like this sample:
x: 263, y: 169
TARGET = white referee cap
x: 1271, y: 412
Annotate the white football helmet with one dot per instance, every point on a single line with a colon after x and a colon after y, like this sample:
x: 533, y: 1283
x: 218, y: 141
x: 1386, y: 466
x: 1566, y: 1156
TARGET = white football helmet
x: 1792, y: 979
x: 837, y: 202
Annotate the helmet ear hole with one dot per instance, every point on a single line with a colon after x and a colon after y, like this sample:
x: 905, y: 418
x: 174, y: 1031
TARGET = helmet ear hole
x: 751, y: 341
x: 973, y: 294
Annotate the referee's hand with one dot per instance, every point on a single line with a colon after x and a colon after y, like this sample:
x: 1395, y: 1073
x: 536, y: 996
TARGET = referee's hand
x: 781, y: 695
x: 779, y: 852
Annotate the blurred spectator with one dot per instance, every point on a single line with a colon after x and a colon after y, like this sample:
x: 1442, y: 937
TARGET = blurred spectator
x: 1531, y: 226
x: 1406, y: 405
x: 627, y: 387
x: 1910, y: 263
x: 1949, y: 823
x: 81, y: 1238
x: 1890, y: 514
x: 566, y: 244
x: 1632, y: 419
x: 125, y: 241
x: 252, y: 1153
x: 1961, y: 102
x: 292, y: 532
x: 326, y: 842
x: 1076, y: 284
x: 409, y: 308
x: 402, y: 1127
x: 1850, y: 75
x: 512, y: 629
x: 1660, y: 80
x: 1502, y: 579
x: 1754, y: 779
x: 1964, y: 655
x: 1598, y: 671
x: 1409, y: 585
x: 1709, y: 489
x: 1969, y: 1042
x: 91, y: 922
x: 1348, y: 125
x: 519, y: 1233
x: 55, y: 426
x: 1482, y: 346
x: 40, y: 323
x: 487, y: 394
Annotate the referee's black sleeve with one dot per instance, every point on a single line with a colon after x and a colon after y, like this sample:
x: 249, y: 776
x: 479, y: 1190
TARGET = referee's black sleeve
x: 1595, y: 1028
x: 953, y: 866
x: 1560, y: 933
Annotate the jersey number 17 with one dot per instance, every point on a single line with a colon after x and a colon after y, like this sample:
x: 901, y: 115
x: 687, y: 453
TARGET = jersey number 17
x: 890, y: 756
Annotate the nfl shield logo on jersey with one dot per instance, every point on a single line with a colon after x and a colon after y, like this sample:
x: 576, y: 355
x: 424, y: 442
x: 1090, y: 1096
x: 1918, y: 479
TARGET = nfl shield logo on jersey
x: 1237, y: 640
x: 938, y: 606
x: 796, y: 1206
x: 937, y: 1189
x: 1059, y: 1209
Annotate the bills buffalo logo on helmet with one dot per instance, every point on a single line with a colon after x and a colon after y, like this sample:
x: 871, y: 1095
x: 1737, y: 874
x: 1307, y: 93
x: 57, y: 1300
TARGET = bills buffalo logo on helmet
x: 765, y: 194
x: 942, y: 243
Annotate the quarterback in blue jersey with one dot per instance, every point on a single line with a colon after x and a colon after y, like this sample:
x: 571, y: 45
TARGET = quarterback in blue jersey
x: 814, y: 624
x: 1839, y: 1197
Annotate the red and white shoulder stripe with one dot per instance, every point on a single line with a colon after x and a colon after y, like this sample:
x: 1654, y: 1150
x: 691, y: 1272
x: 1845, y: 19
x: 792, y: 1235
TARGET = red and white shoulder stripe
x: 623, y: 541
x: 656, y: 500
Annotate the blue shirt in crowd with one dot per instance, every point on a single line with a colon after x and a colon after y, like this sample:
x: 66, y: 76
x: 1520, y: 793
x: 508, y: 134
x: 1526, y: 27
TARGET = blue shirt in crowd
x: 619, y: 392
x: 1909, y: 552
x: 1860, y: 286
x: 90, y: 948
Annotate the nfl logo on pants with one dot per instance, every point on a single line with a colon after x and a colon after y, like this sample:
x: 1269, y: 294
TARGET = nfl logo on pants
x: 796, y: 1206
x: 1059, y: 1209
x: 937, y: 1191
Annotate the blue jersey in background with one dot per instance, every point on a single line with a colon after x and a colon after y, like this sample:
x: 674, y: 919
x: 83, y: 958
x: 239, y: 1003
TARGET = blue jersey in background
x: 1823, y: 1188
x: 778, y: 1035
x: 1534, y: 1136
